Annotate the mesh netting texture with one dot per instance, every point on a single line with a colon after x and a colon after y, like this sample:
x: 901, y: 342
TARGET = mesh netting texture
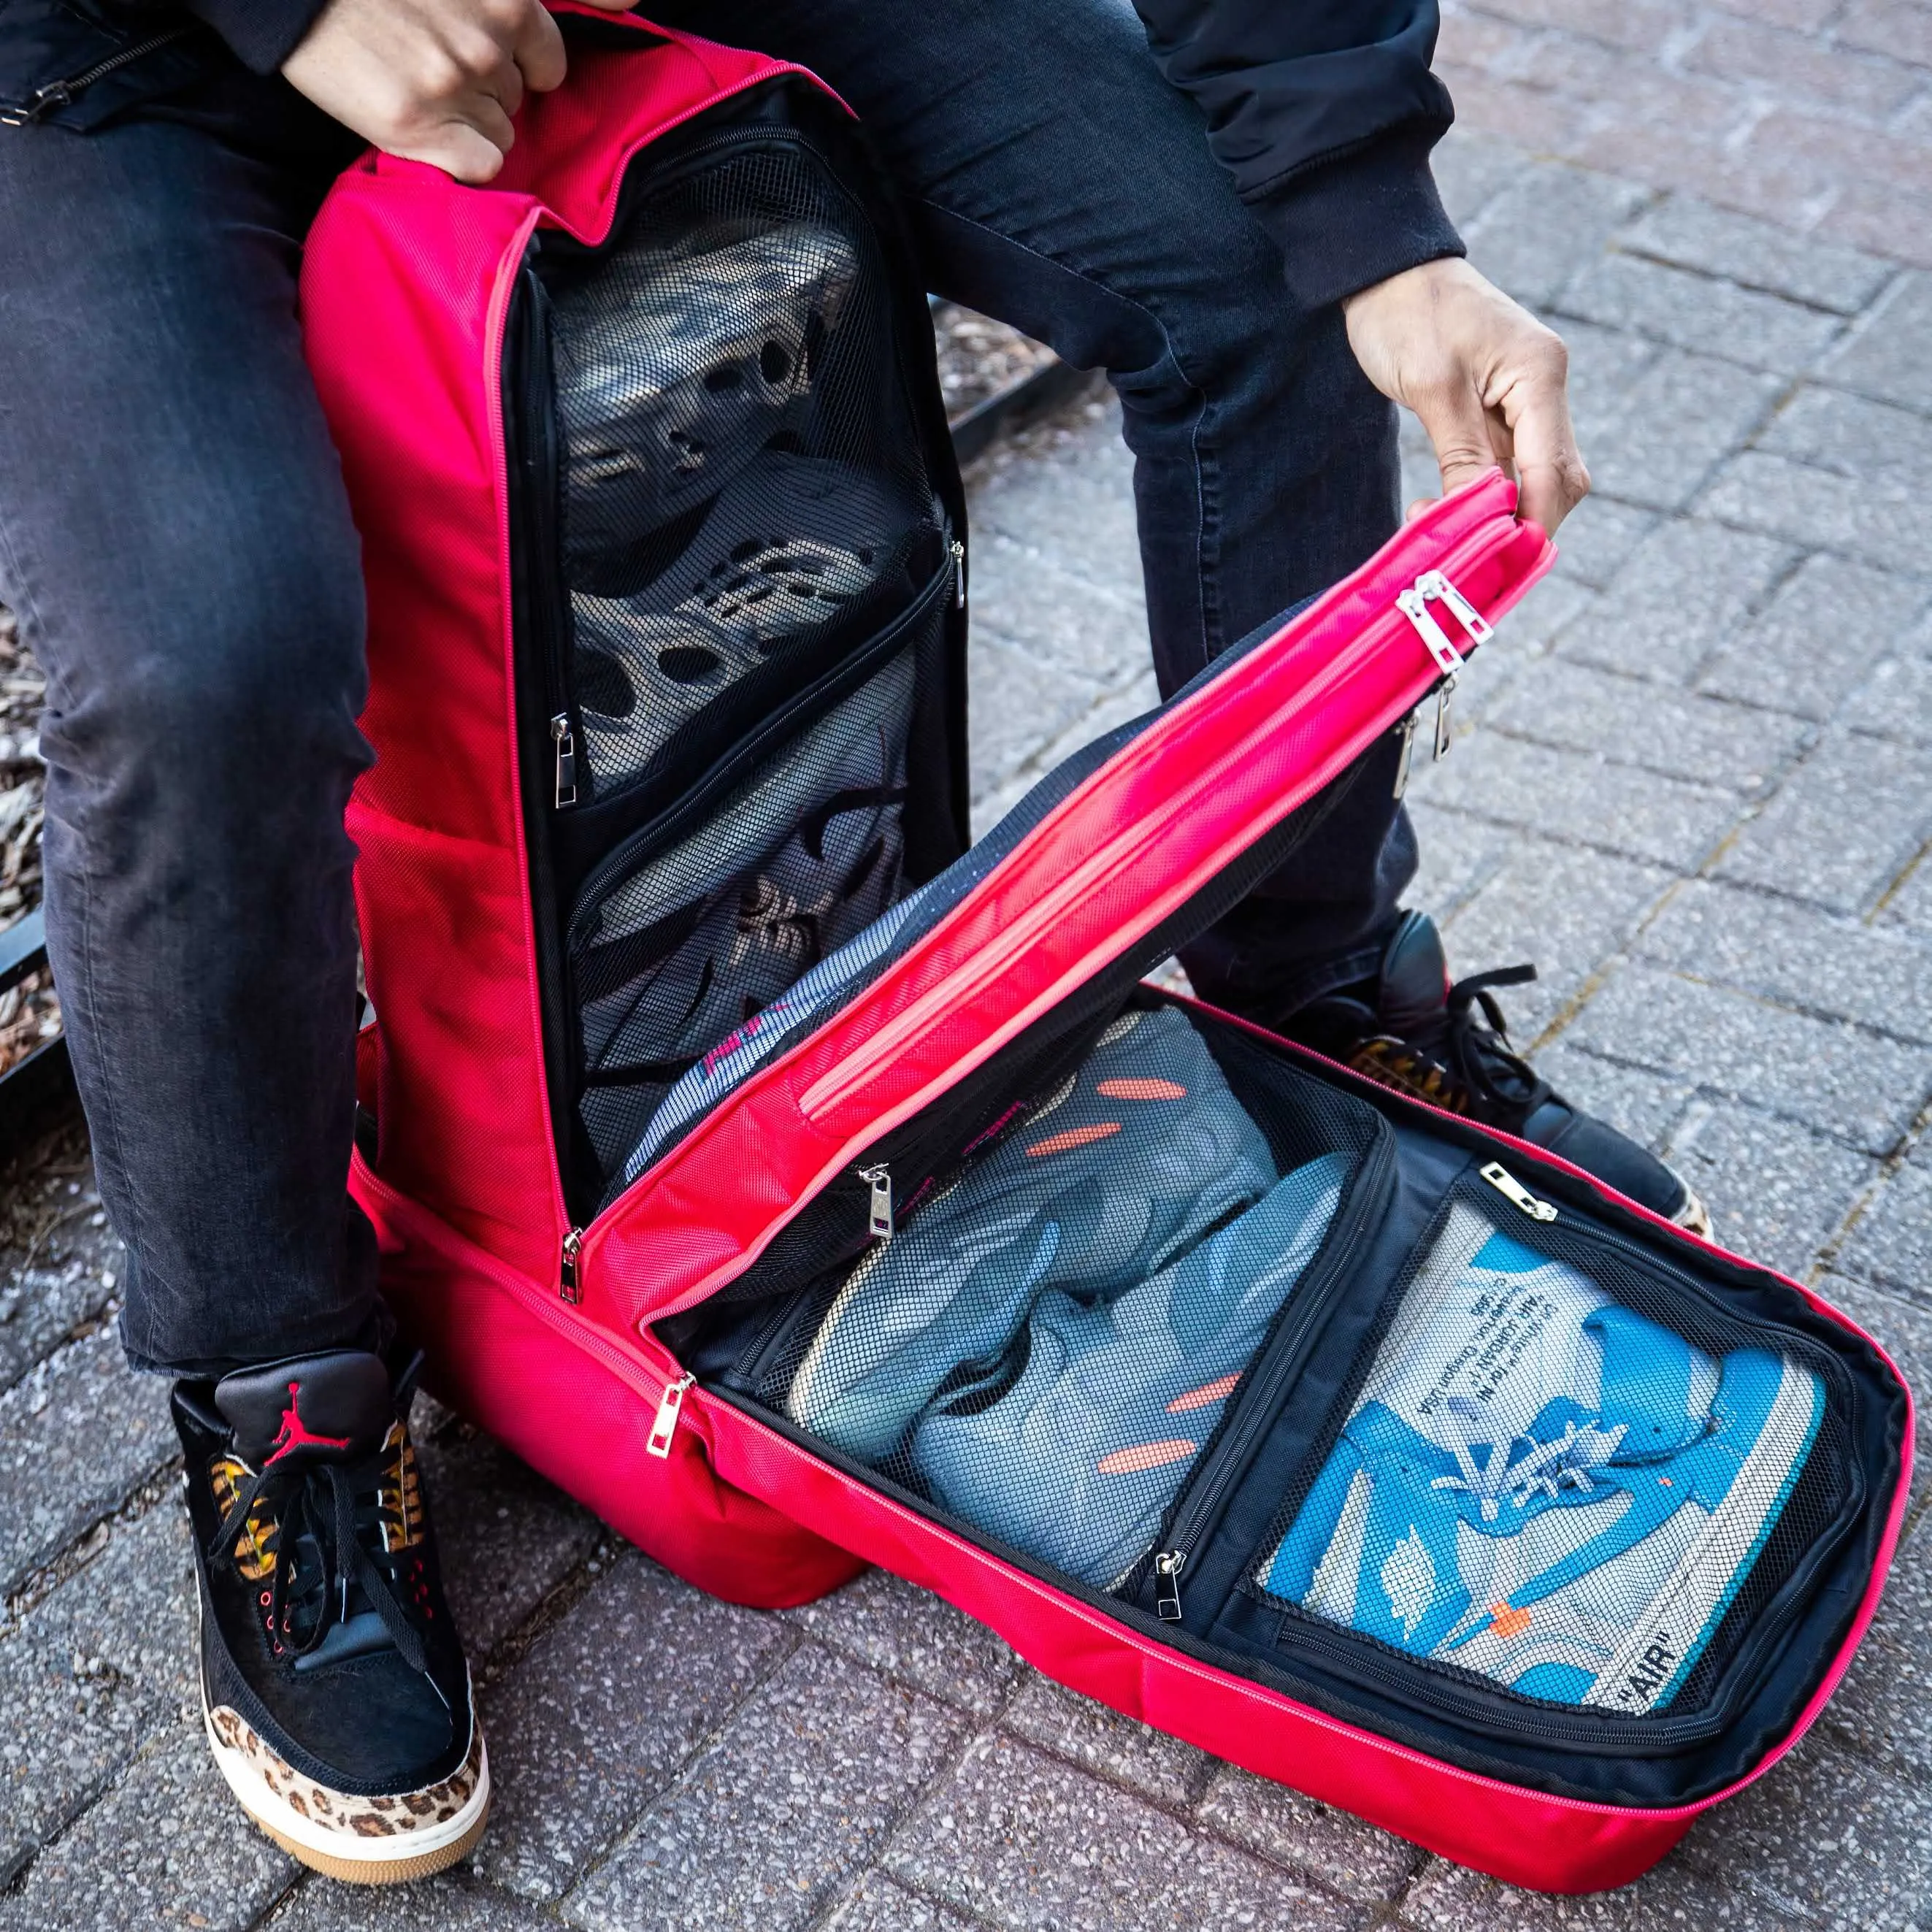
x: 676, y: 943
x: 1559, y: 1477
x: 754, y: 569
x: 740, y: 474
x: 1045, y: 1345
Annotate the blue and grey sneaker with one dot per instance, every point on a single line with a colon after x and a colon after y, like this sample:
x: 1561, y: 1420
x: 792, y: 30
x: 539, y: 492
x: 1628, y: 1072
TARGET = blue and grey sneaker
x: 1540, y: 1485
x: 1142, y: 1154
x: 1076, y: 1461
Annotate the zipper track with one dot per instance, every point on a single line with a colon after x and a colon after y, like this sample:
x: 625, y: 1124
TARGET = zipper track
x: 1279, y: 1360
x: 874, y: 1057
x: 825, y: 690
x: 1365, y: 1659
x: 1491, y: 536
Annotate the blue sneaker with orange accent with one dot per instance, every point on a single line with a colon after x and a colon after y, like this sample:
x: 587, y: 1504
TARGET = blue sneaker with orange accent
x: 1076, y: 1461
x: 1142, y: 1154
x: 1544, y: 1487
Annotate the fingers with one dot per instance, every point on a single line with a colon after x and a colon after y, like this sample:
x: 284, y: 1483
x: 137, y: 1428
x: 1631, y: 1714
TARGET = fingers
x: 465, y: 152
x: 537, y: 50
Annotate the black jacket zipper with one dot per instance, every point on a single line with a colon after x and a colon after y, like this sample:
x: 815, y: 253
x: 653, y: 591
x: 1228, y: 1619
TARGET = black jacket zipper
x: 59, y: 94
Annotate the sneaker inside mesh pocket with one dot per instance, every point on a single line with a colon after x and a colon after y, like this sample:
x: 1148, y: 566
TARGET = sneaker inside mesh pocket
x: 676, y: 942
x: 1046, y: 1345
x: 1539, y: 1484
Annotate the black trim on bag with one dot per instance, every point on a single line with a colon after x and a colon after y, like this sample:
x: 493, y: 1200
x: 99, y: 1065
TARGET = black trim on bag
x: 1448, y: 1713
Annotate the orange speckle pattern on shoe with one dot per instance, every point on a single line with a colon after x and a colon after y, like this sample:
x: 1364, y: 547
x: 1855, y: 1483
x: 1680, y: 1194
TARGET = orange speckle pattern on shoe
x: 1508, y: 1621
x: 1146, y: 1455
x: 1074, y: 1137
x: 1141, y: 1090
x: 1215, y: 1391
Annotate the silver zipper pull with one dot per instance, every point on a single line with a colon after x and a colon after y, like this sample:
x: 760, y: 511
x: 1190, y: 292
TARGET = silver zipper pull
x: 1444, y: 691
x: 1411, y: 604
x: 1167, y: 1591
x: 879, y: 1213
x: 1407, y: 729
x: 958, y: 574
x: 1434, y: 583
x: 565, y: 739
x: 1514, y: 1191
x: 664, y: 1425
x: 567, y: 1283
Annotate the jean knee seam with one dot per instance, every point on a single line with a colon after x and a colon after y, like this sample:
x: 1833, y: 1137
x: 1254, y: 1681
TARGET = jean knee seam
x: 1170, y: 354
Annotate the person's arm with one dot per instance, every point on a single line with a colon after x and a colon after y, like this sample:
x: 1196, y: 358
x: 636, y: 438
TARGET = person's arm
x: 263, y: 33
x: 1324, y: 111
x: 431, y: 80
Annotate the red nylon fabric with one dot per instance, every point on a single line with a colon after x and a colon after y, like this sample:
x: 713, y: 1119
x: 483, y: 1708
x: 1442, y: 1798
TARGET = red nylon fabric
x: 1212, y: 776
x: 406, y: 279
x: 406, y: 286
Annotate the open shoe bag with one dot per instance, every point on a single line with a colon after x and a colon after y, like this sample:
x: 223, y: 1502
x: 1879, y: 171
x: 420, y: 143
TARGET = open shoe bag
x: 802, y: 1189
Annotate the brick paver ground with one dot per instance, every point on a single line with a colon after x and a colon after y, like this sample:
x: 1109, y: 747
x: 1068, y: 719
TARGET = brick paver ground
x: 1693, y: 782
x: 1815, y: 114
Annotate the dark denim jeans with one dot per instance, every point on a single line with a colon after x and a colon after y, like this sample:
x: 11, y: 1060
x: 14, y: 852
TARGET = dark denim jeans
x: 174, y: 539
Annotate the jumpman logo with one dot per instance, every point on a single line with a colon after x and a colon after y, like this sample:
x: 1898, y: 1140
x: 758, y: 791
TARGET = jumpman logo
x: 296, y: 1434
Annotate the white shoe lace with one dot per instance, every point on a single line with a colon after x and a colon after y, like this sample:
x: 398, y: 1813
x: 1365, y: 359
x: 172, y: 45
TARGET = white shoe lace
x: 1547, y: 1469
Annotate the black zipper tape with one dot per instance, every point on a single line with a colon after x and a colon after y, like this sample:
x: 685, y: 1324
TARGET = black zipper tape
x: 58, y: 93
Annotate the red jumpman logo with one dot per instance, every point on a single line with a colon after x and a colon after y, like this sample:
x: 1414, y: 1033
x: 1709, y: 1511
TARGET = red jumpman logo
x: 296, y: 1434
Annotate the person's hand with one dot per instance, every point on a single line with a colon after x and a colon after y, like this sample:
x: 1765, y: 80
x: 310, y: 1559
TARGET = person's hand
x: 1486, y: 378
x: 431, y: 80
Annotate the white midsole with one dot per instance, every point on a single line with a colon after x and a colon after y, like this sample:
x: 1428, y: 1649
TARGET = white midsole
x: 269, y: 1808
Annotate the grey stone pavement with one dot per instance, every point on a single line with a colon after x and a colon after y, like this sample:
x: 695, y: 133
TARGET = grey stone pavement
x: 1693, y: 782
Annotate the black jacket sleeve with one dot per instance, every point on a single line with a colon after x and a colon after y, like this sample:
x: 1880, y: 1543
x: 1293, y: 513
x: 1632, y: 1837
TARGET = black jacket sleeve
x: 263, y: 33
x: 1324, y: 111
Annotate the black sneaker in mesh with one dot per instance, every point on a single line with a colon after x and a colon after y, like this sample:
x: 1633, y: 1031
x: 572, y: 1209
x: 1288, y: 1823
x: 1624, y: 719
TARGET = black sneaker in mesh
x: 1410, y: 1028
x: 334, y: 1687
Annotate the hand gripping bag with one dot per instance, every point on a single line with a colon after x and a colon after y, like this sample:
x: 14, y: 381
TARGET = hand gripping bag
x: 802, y: 1189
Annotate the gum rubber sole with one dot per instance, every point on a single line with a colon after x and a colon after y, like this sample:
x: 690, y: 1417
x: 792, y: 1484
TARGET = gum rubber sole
x: 450, y: 1841
x: 382, y: 1871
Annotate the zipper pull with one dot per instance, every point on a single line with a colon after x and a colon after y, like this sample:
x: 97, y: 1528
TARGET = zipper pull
x: 1435, y: 584
x: 1514, y: 1191
x: 1412, y: 605
x: 1444, y: 691
x: 565, y: 739
x: 1167, y: 1590
x: 959, y: 574
x: 1406, y: 729
x: 567, y: 1284
x: 879, y: 1212
x: 664, y: 1426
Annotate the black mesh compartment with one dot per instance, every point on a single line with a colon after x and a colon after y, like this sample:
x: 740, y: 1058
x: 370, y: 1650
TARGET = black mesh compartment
x: 1564, y: 1471
x: 739, y: 475
x: 1055, y: 1331
x: 737, y: 552
x: 690, y: 928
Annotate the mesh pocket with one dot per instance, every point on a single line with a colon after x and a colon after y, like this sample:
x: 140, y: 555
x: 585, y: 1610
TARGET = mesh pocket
x: 679, y: 943
x: 1562, y: 1474
x: 740, y: 480
x: 1046, y: 1343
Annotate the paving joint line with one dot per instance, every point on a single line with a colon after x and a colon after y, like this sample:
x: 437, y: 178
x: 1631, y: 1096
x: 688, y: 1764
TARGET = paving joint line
x: 1825, y: 1258
x: 680, y: 1774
